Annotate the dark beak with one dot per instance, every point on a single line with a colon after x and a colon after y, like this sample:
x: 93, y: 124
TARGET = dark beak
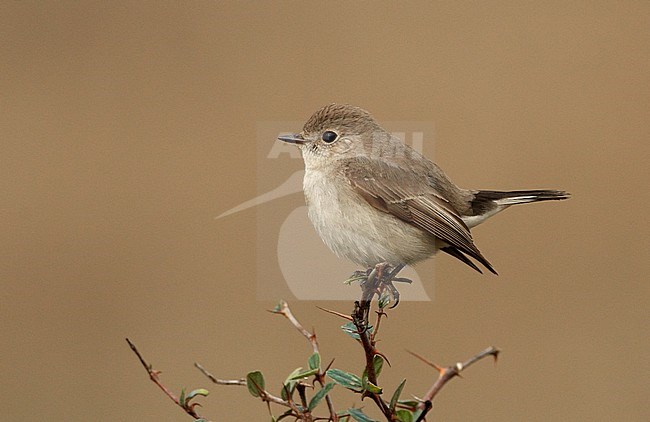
x: 294, y: 138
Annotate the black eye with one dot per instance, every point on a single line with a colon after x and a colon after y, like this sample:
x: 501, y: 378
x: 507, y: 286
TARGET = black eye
x: 329, y: 136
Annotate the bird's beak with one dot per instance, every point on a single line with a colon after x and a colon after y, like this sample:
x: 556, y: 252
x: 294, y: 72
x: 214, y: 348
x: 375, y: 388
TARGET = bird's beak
x: 294, y: 138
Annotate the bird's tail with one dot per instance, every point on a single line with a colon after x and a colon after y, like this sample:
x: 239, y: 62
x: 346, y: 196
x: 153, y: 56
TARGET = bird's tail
x: 502, y: 198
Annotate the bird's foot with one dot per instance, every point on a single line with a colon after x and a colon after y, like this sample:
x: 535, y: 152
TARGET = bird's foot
x: 379, y: 281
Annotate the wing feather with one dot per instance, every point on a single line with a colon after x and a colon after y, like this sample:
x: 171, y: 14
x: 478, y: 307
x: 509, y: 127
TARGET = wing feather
x: 409, y: 196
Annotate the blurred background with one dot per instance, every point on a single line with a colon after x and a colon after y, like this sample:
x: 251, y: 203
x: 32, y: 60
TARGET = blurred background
x: 126, y: 127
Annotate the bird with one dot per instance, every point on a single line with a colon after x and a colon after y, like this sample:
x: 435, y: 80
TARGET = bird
x: 376, y: 201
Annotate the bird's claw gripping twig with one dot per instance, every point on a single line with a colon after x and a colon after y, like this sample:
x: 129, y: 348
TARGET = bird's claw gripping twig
x: 380, y: 279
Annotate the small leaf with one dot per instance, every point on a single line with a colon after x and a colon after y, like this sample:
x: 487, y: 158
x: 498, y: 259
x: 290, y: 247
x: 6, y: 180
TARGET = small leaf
x: 289, y: 384
x: 320, y: 395
x: 255, y: 383
x: 345, y: 379
x: 359, y: 416
x: 197, y: 392
x: 351, y: 330
x: 181, y: 399
x: 409, y: 403
x: 355, y: 277
x: 367, y: 385
x: 305, y: 374
x: 417, y: 413
x: 378, y: 363
x: 396, y: 394
x: 404, y: 415
x: 279, y: 306
x: 383, y: 300
x: 293, y: 374
x: 314, y: 361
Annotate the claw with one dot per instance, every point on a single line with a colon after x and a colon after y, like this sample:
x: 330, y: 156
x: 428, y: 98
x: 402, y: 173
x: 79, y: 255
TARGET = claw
x: 381, y: 278
x: 402, y: 280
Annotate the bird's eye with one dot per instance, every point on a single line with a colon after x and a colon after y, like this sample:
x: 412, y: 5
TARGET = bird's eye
x: 329, y: 136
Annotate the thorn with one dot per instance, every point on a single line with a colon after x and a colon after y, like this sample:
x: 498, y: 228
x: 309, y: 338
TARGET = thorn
x: 377, y: 352
x: 418, y: 399
x: 403, y: 280
x: 381, y: 313
x: 431, y: 364
x: 347, y: 317
x: 495, y: 355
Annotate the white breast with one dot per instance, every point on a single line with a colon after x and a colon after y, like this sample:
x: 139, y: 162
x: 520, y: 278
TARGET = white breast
x: 355, y: 230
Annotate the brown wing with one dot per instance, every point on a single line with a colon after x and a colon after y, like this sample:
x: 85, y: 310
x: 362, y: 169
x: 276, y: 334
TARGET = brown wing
x: 409, y: 196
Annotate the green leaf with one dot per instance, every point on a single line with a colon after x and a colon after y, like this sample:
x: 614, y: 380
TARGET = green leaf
x: 396, y: 394
x: 351, y: 330
x: 346, y: 379
x: 355, y: 277
x: 198, y: 392
x: 314, y: 361
x: 279, y: 306
x: 293, y: 374
x: 320, y: 395
x: 373, y: 388
x: 290, y: 384
x: 359, y: 416
x: 367, y: 385
x: 305, y: 374
x: 343, y: 415
x: 404, y: 415
x: 181, y: 399
x: 383, y: 300
x: 409, y: 403
x: 378, y: 363
x: 417, y: 414
x: 255, y: 383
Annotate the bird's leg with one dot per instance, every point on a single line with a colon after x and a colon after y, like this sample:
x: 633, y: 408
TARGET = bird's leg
x: 370, y: 287
x: 380, y: 279
x: 386, y: 282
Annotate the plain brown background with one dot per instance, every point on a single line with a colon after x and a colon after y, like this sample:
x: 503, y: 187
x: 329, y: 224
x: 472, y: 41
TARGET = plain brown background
x: 127, y: 126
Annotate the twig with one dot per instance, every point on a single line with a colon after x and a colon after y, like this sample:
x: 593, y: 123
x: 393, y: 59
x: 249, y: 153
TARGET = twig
x: 216, y: 380
x: 360, y: 320
x: 284, y: 310
x: 380, y: 313
x: 154, y: 376
x: 447, y: 374
x: 329, y: 311
x: 264, y: 395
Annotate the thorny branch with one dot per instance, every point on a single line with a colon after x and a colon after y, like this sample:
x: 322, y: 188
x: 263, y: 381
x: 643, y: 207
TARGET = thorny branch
x: 369, y: 288
x: 264, y: 395
x: 154, y: 375
x: 446, y: 374
x: 284, y: 310
x: 377, y: 281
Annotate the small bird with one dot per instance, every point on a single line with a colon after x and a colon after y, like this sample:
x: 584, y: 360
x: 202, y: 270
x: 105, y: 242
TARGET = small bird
x: 376, y: 201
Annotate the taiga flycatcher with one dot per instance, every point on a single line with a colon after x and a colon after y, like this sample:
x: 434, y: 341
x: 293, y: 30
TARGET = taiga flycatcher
x: 374, y: 199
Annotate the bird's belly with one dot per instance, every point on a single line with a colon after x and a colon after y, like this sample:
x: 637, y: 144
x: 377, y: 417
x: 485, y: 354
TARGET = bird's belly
x: 354, y: 229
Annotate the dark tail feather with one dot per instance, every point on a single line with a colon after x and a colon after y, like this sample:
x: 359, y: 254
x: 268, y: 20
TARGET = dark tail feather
x: 518, y: 196
x: 456, y: 253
